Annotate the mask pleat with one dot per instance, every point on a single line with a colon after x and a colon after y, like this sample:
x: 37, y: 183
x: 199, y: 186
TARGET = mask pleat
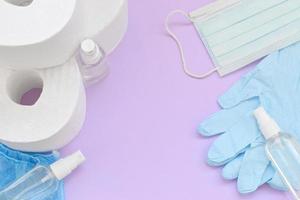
x: 285, y: 22
x: 237, y: 14
x: 284, y: 13
x: 255, y: 50
x: 249, y: 31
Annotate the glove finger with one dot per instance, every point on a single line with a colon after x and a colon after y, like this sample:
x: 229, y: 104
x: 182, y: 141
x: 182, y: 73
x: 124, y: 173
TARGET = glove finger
x: 243, y: 90
x: 268, y: 174
x: 277, y: 183
x: 233, y: 142
x: 252, y: 84
x: 223, y: 120
x: 232, y: 169
x: 252, y: 170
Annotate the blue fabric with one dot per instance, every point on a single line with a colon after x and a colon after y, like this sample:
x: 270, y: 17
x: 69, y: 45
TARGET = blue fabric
x: 14, y: 164
x: 273, y: 84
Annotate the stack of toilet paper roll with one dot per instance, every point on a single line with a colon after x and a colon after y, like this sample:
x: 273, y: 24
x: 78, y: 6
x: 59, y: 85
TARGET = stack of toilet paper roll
x: 39, y: 41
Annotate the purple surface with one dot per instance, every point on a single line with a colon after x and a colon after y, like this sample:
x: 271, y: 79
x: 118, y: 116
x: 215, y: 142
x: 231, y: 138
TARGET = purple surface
x: 140, y: 135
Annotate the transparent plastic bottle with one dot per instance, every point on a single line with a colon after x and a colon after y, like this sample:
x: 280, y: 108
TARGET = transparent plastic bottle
x: 42, y: 181
x: 92, y: 62
x: 283, y: 150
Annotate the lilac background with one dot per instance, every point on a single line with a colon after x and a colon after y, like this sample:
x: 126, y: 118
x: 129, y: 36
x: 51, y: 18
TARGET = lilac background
x: 140, y: 135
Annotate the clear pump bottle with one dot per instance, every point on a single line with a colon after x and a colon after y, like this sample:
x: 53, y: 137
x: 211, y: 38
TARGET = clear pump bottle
x: 92, y: 61
x: 283, y: 150
x: 42, y: 181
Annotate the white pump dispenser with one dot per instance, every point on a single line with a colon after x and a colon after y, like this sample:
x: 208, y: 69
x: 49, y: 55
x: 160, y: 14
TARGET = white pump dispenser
x: 267, y: 125
x: 65, y: 166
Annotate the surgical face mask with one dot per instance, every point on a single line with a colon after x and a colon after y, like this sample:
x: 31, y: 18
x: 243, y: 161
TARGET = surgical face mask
x: 238, y: 32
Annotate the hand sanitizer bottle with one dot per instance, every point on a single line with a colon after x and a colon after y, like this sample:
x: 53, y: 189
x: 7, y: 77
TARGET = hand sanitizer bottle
x: 42, y: 181
x: 283, y: 150
x: 92, y: 61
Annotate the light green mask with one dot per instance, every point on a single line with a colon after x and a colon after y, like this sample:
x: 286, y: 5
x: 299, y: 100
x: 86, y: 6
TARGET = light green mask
x: 238, y: 32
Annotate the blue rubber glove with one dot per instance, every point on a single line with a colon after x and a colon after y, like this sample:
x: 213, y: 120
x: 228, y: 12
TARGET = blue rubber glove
x: 14, y: 164
x: 275, y: 85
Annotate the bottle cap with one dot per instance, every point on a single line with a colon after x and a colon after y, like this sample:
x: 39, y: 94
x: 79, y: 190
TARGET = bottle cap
x: 267, y: 125
x: 90, y: 52
x: 65, y: 166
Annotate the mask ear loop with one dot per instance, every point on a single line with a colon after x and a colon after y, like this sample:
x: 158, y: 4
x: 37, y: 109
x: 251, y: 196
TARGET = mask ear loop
x: 181, y: 51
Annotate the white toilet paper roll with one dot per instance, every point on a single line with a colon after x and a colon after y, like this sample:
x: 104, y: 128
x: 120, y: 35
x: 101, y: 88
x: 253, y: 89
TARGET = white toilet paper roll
x: 47, y: 33
x: 54, y: 120
x: 40, y: 34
